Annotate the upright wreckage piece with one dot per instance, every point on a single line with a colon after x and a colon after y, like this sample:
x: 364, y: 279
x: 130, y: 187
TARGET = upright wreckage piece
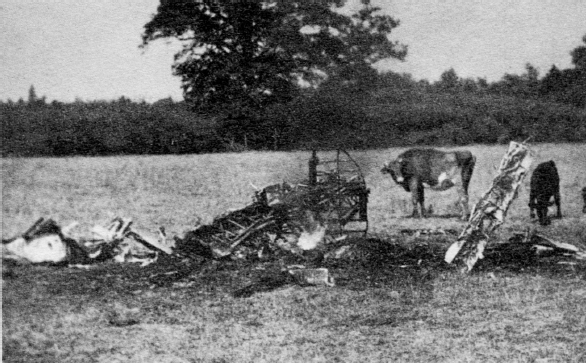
x: 288, y: 217
x: 490, y: 211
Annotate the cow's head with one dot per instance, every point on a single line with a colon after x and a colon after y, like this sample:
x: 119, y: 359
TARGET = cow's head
x: 394, y: 168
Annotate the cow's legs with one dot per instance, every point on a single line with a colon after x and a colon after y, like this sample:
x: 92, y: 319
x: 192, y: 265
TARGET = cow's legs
x: 532, y: 202
x: 542, y: 207
x: 467, y: 170
x: 558, y: 203
x: 463, y: 201
x: 417, y: 198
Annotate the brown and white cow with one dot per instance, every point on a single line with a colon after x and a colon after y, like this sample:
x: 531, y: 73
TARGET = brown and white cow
x: 438, y: 170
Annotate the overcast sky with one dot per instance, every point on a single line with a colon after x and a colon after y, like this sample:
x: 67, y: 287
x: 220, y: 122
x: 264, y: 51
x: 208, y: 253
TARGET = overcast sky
x: 89, y: 50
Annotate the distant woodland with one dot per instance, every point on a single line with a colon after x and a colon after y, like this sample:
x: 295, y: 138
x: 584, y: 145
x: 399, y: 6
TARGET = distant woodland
x: 393, y: 111
x: 254, y: 79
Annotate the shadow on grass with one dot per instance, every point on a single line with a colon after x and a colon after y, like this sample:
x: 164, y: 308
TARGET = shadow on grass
x: 522, y: 258
x: 433, y: 215
x: 407, y: 270
x: 446, y: 216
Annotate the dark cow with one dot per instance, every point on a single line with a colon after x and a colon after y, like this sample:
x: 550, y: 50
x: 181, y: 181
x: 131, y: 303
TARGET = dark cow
x: 545, y: 183
x: 439, y: 170
x: 584, y: 197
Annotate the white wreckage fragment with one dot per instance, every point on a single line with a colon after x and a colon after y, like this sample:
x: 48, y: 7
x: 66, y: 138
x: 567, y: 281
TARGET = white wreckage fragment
x: 312, y: 277
x: 49, y: 248
x: 44, y: 241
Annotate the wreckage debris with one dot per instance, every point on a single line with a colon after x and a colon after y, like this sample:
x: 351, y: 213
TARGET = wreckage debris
x: 541, y: 244
x: 490, y: 211
x: 284, y: 220
x: 528, y: 248
x: 287, y: 218
x: 312, y: 277
x: 46, y: 242
x: 282, y: 216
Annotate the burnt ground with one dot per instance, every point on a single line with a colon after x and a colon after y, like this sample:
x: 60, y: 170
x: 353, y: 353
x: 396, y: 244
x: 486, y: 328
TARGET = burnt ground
x: 369, y: 263
x: 46, y: 306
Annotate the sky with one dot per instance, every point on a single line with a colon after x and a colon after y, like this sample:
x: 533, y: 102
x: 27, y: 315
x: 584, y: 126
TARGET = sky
x: 89, y: 50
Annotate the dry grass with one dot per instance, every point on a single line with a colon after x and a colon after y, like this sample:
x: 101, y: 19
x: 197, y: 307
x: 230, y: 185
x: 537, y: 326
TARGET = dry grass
x: 396, y: 302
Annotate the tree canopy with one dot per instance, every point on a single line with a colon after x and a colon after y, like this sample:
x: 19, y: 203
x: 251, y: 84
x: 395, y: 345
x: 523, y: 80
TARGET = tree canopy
x: 252, y: 53
x: 568, y: 85
x: 579, y: 55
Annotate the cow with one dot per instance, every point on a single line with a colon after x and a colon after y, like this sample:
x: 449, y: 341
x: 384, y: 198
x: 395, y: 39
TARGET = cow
x: 545, y: 183
x: 584, y: 198
x: 439, y: 170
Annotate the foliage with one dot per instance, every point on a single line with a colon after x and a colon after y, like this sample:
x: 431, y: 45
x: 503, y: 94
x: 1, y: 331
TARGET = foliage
x: 104, y: 128
x: 247, y: 54
x: 449, y: 80
x: 568, y: 85
x: 399, y: 112
x: 579, y: 55
x: 353, y: 108
x: 329, y: 118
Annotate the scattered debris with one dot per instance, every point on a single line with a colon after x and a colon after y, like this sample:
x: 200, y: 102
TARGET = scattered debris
x: 46, y: 242
x: 543, y: 244
x: 428, y: 231
x: 528, y: 249
x: 490, y: 211
x: 339, y: 252
x: 313, y: 277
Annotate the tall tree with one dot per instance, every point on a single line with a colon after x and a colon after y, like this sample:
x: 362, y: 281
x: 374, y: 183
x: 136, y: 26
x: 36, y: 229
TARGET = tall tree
x: 32, y: 95
x: 568, y: 85
x: 449, y: 80
x: 33, y: 99
x: 552, y: 82
x: 251, y: 53
x: 579, y: 55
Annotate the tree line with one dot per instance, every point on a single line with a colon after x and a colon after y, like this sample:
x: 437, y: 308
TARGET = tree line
x: 285, y: 75
x: 395, y: 111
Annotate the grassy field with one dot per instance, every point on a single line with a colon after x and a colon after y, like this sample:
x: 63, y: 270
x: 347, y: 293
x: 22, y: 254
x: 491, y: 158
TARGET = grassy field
x: 396, y: 301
